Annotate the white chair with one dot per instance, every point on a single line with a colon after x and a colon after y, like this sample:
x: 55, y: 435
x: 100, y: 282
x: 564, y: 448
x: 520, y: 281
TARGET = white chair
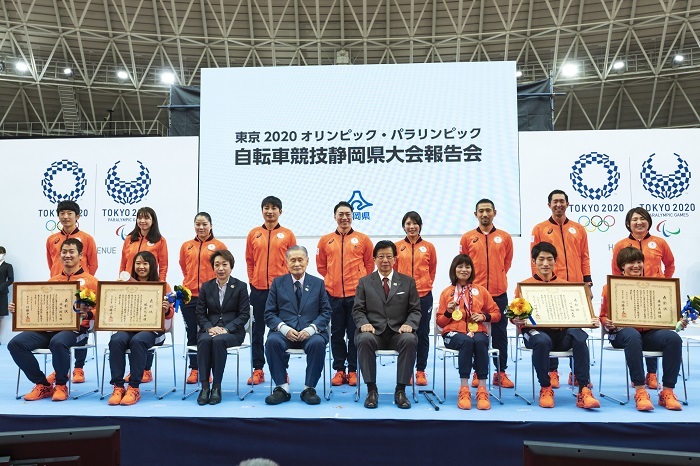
x: 439, y: 346
x: 91, y: 344
x: 606, y: 346
x: 380, y: 354
x: 168, y: 343
x: 519, y: 347
x: 691, y: 336
x: 232, y: 351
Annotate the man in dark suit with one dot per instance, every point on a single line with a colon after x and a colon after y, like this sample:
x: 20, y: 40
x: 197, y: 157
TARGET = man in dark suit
x: 223, y: 309
x: 387, y: 314
x: 297, y: 312
x: 7, y: 277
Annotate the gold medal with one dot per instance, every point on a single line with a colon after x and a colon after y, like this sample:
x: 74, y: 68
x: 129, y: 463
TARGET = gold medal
x: 457, y: 314
x: 473, y: 326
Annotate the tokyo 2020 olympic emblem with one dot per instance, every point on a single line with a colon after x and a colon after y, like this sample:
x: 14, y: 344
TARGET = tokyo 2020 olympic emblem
x: 68, y: 169
x: 668, y: 186
x: 128, y: 192
x: 591, y: 192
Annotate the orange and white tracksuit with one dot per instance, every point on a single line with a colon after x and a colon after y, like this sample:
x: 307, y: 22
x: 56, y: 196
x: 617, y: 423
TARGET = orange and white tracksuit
x: 265, y: 252
x: 342, y: 260
x: 492, y: 254
x: 131, y: 248
x: 86, y: 281
x: 417, y: 260
x: 482, y: 303
x: 194, y: 262
x: 53, y: 251
x: 571, y: 241
x: 656, y: 252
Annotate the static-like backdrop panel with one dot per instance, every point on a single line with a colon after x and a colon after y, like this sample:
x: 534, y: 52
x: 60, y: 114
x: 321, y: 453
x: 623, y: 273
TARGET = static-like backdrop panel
x: 386, y: 138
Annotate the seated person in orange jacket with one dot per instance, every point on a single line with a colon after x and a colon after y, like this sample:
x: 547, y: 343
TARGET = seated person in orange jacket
x: 630, y: 261
x: 464, y: 307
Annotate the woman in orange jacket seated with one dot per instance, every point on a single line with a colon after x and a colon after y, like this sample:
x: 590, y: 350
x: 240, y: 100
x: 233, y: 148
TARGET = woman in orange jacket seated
x: 630, y: 261
x: 464, y: 309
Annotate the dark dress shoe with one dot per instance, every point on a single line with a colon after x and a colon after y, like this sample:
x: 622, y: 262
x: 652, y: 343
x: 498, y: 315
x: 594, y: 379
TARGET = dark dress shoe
x: 278, y: 396
x: 215, y: 397
x: 372, y: 400
x: 203, y: 398
x: 401, y: 400
x: 310, y: 397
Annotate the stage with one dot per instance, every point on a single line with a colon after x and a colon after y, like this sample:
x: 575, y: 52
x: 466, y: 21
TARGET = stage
x: 341, y: 431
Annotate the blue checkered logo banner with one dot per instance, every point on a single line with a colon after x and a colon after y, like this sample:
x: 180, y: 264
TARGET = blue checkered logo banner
x: 63, y: 168
x: 593, y: 192
x: 128, y: 192
x: 665, y: 186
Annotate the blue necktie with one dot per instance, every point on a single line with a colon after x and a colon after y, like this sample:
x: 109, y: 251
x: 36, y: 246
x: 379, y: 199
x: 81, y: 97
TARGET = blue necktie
x: 297, y: 291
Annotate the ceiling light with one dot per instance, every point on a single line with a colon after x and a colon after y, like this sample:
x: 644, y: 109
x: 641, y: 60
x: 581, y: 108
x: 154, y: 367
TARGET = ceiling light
x: 618, y: 65
x: 67, y: 71
x: 167, y: 77
x: 678, y: 58
x: 518, y: 74
x: 569, y: 70
x: 121, y: 74
x: 21, y: 66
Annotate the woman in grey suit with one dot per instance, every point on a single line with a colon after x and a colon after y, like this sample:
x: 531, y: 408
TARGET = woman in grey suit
x: 222, y: 312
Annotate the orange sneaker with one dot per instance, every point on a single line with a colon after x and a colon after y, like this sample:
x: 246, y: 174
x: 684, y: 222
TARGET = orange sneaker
x: 352, y: 379
x: 132, y: 396
x: 147, y: 376
x: 193, y: 377
x: 39, y: 391
x: 464, y: 398
x: 339, y: 378
x: 554, y: 379
x: 586, y: 400
x: 475, y: 380
x: 501, y: 379
x: 51, y: 378
x: 421, y: 378
x: 258, y: 377
x: 78, y: 375
x: 482, y: 399
x: 60, y: 393
x: 669, y: 400
x: 546, y: 397
x: 117, y: 395
x: 573, y: 380
x: 643, y: 401
x: 651, y: 381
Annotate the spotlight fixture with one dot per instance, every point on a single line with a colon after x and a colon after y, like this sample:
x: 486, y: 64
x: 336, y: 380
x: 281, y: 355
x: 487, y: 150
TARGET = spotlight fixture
x: 678, y: 58
x: 518, y: 74
x: 21, y: 66
x: 121, y: 74
x: 167, y: 77
x: 618, y: 65
x: 342, y: 57
x: 68, y: 72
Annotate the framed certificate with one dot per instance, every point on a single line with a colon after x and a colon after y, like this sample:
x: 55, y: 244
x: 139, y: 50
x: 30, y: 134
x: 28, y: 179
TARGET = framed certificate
x: 44, y: 306
x: 130, y: 306
x: 644, y: 301
x: 559, y: 304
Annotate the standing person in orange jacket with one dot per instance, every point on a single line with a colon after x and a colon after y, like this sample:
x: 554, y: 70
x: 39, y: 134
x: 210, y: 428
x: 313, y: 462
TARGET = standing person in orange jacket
x: 417, y: 258
x: 492, y: 253
x: 145, y: 237
x: 196, y: 269
x: 342, y: 258
x: 571, y: 241
x: 265, y: 257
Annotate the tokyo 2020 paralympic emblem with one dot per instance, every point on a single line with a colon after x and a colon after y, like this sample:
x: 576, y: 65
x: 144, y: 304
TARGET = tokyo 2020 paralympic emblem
x: 592, y: 192
x: 668, y: 186
x: 68, y: 169
x: 128, y: 192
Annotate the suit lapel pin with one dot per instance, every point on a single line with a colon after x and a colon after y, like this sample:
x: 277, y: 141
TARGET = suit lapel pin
x: 307, y: 288
x: 232, y: 286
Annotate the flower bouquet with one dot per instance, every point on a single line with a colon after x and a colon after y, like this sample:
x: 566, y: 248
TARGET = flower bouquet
x: 520, y: 308
x: 180, y: 295
x: 85, y: 296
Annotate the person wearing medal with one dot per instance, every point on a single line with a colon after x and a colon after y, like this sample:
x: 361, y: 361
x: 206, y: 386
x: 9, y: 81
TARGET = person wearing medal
x: 465, y: 308
x: 658, y: 262
x: 544, y: 340
x: 631, y: 261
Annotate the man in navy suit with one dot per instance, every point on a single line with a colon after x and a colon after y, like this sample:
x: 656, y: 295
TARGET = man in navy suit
x: 297, y: 312
x: 387, y: 314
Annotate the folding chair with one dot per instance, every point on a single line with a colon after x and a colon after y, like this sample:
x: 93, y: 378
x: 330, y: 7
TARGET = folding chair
x: 691, y: 335
x: 646, y: 354
x: 153, y: 349
x: 91, y: 343
x: 380, y: 354
x: 232, y: 351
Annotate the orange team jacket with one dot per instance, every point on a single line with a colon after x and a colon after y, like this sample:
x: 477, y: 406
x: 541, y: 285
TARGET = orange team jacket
x: 482, y: 303
x: 86, y: 281
x: 159, y: 250
x: 603, y: 316
x: 53, y: 251
x: 342, y: 260
x: 571, y: 241
x: 417, y: 260
x: 492, y: 255
x: 656, y: 252
x: 265, y: 254
x: 194, y: 262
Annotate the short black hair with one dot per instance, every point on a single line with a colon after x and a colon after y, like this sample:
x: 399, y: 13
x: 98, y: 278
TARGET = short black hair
x: 457, y: 261
x: 543, y: 247
x: 557, y: 191
x: 637, y: 210
x: 224, y: 254
x: 384, y: 244
x: 273, y: 201
x: 2, y: 250
x: 75, y: 242
x: 484, y: 201
x: 413, y: 215
x: 627, y: 255
x: 342, y: 204
x: 152, y: 266
x: 68, y: 205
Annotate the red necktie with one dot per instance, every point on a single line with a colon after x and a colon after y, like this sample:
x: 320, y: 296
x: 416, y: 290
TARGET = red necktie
x: 386, y: 286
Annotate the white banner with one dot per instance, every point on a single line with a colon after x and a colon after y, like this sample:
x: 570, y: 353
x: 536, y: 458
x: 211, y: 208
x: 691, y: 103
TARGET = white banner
x: 434, y: 138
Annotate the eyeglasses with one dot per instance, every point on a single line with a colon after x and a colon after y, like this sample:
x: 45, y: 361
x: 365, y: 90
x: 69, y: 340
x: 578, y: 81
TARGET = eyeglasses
x: 381, y: 257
